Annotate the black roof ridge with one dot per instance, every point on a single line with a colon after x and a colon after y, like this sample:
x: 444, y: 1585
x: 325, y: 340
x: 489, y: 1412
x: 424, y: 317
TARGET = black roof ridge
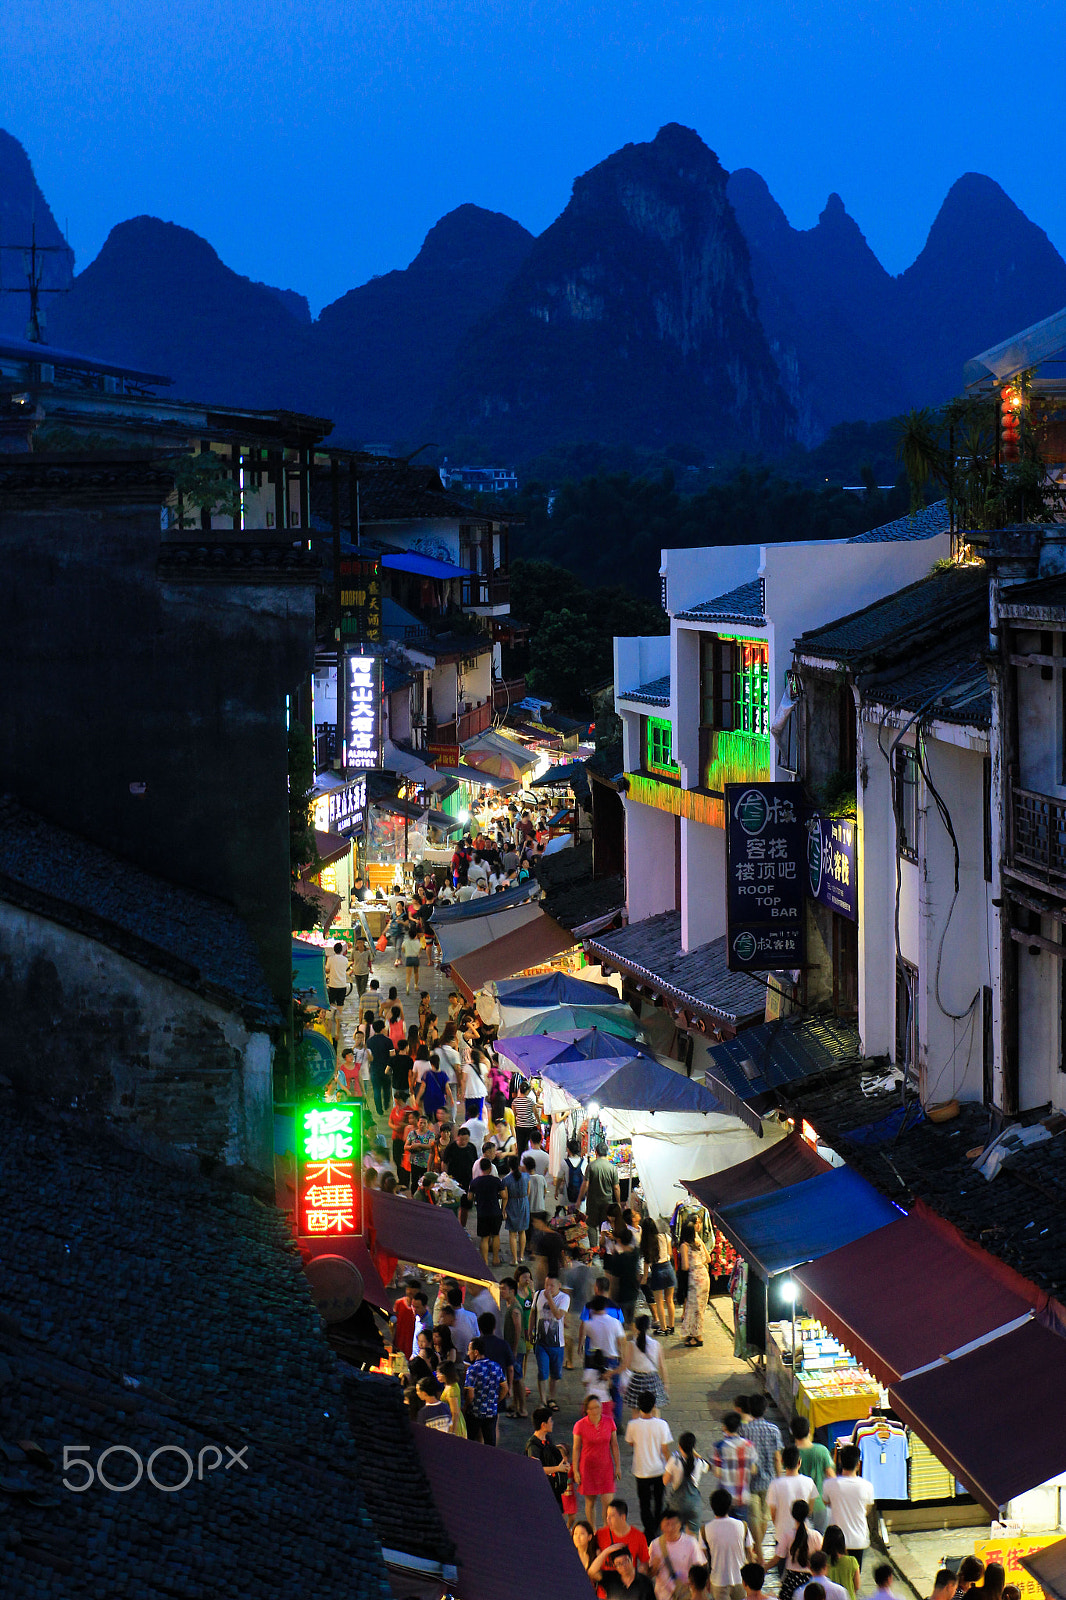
x: 896, y: 594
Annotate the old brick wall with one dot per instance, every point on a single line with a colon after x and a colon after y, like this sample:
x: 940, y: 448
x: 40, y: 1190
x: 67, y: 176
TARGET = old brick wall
x: 85, y: 1028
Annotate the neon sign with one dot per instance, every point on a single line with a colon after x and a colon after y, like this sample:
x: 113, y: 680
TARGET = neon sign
x: 328, y: 1171
x: 362, y: 726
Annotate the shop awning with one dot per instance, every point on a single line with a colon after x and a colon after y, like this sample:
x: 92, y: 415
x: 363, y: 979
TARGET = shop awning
x: 994, y: 1416
x: 912, y: 1293
x: 325, y: 905
x: 486, y: 905
x: 307, y: 964
x: 509, y: 1491
x: 556, y: 989
x: 461, y: 938
x: 1048, y: 1567
x: 606, y: 1017
x: 424, y: 566
x: 330, y: 847
x: 487, y: 779
x: 409, y: 765
x: 505, y: 758
x: 567, y: 775
x: 807, y: 1220
x: 529, y: 946
x: 428, y: 1236
x: 532, y: 1051
x: 782, y: 1165
x: 775, y: 1053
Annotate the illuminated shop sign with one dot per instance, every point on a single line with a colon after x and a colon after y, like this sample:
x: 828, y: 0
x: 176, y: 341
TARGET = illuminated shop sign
x: 362, y: 719
x: 766, y: 844
x: 346, y: 808
x: 328, y: 1171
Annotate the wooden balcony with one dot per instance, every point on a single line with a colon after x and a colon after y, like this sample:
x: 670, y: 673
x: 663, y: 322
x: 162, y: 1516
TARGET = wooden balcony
x: 480, y: 590
x: 1038, y: 835
x: 507, y: 692
x: 466, y: 726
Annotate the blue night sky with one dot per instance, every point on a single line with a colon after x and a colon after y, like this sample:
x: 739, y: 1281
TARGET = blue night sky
x: 314, y: 143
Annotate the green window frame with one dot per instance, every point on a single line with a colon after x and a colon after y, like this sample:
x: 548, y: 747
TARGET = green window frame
x: 735, y: 685
x: 658, y: 748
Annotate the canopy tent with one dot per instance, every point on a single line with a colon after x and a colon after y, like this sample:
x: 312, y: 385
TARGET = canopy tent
x: 418, y: 814
x: 309, y: 973
x: 567, y: 775
x: 677, y: 1127
x: 423, y: 566
x: 1048, y: 1567
x: 608, y: 1018
x: 539, y: 940
x: 531, y: 1051
x: 427, y: 1236
x: 779, y: 1230
x: 411, y: 766
x: 503, y: 758
x: 475, y: 775
x: 486, y: 905
x: 991, y: 1415
x: 783, y: 1164
x: 555, y: 989
x: 460, y: 937
x: 912, y: 1293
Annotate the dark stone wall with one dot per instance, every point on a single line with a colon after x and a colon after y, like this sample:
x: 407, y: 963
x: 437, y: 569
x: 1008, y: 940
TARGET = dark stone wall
x: 83, y: 1028
x: 110, y: 677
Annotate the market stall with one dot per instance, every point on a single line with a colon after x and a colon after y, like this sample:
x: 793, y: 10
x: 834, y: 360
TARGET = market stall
x: 675, y: 1127
x: 607, y: 1017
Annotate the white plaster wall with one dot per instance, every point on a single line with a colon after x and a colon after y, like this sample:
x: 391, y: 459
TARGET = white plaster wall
x: 638, y: 660
x: 877, y: 891
x: 1039, y: 730
x: 703, y: 887
x: 649, y: 860
x: 1039, y: 1078
x: 703, y: 573
x: 908, y: 911
x: 685, y: 702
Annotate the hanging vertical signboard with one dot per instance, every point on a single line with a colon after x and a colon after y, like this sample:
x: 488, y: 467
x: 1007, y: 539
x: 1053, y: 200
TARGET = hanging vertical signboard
x: 362, y: 715
x: 766, y: 852
x: 360, y: 598
x: 832, y: 864
x: 329, y: 1198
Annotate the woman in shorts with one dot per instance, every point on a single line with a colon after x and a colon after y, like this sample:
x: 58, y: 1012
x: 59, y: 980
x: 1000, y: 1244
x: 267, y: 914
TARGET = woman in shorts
x: 411, y: 950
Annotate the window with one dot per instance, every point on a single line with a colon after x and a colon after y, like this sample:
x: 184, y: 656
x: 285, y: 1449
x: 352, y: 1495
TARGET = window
x: 659, y: 747
x: 906, y: 801
x: 734, y: 685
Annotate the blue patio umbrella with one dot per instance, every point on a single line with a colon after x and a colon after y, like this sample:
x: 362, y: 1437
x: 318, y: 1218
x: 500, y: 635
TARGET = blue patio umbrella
x: 610, y: 1019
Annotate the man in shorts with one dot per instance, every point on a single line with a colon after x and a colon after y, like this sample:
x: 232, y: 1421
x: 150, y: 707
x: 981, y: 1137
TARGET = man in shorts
x: 488, y: 1191
x: 550, y: 1307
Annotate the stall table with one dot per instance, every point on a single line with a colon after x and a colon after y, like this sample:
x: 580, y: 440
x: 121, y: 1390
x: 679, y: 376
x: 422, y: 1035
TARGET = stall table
x: 823, y: 1402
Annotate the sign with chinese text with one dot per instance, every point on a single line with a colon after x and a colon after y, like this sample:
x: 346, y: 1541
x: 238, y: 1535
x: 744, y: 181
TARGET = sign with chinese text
x: 1009, y: 1552
x: 360, y: 600
x: 345, y: 809
x: 832, y: 864
x: 362, y: 713
x: 766, y: 844
x: 329, y: 1199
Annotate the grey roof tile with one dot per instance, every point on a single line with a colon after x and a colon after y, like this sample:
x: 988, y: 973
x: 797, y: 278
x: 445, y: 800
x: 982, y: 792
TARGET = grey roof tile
x: 745, y: 603
x: 935, y: 602
x: 699, y: 978
x: 764, y: 1058
x: 655, y: 693
x: 197, y: 941
x: 923, y: 524
x: 146, y: 1308
x: 393, y: 1481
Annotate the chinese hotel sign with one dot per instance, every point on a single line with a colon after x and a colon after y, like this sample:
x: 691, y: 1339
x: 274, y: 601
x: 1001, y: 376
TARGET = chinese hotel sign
x: 832, y: 864
x: 328, y: 1172
x: 766, y: 843
x: 362, y: 713
x: 346, y: 808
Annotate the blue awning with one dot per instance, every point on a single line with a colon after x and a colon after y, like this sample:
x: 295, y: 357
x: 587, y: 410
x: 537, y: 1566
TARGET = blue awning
x: 765, y: 1057
x: 556, y: 989
x: 805, y: 1221
x: 424, y: 566
x: 634, y: 1084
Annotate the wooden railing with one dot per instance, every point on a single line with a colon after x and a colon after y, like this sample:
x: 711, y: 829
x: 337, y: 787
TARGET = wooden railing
x: 466, y: 726
x: 1038, y: 832
x: 479, y: 590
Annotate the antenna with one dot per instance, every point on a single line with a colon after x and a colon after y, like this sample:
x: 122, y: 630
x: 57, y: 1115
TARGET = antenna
x: 34, y: 258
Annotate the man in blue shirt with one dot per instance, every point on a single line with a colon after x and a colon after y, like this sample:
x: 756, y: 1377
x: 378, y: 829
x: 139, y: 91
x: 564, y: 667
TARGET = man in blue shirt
x: 486, y: 1386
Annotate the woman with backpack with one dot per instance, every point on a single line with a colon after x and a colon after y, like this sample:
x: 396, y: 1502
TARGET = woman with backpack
x: 682, y: 1477
x: 572, y: 1176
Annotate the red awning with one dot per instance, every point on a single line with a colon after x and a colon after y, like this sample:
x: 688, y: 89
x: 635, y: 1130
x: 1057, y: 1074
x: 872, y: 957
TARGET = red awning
x: 994, y: 1416
x: 325, y: 905
x: 330, y: 847
x: 789, y: 1161
x: 912, y: 1293
x: 529, y: 946
x: 427, y: 1236
x: 474, y: 1489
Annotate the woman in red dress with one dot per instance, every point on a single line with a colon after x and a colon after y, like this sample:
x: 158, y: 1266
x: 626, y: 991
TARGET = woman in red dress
x: 597, y: 1465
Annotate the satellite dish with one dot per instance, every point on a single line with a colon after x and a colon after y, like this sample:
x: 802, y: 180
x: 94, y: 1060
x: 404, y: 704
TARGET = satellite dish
x: 336, y: 1287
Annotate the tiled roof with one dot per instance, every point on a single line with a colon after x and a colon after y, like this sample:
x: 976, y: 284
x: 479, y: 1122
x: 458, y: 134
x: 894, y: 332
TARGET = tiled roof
x: 952, y: 684
x: 395, y: 492
x: 392, y: 1480
x: 655, y: 693
x: 275, y: 561
x: 442, y: 645
x: 746, y: 603
x: 935, y: 604
x: 394, y: 679
x: 700, y: 979
x: 571, y: 894
x: 923, y: 524
x: 188, y: 937
x: 1017, y: 1216
x: 1045, y: 594
x: 149, y: 1310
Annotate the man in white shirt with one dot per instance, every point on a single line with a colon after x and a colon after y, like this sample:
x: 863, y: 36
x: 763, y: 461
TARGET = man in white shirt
x: 604, y: 1331
x: 478, y: 1129
x: 728, y: 1545
x: 783, y: 1492
x: 551, y: 1306
x: 536, y: 1149
x: 818, y: 1563
x: 849, y: 1498
x: 650, y: 1436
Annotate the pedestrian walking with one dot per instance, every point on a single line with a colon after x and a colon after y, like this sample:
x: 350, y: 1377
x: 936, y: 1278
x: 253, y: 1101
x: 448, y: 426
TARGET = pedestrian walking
x: 486, y: 1387
x: 360, y: 963
x: 516, y: 1183
x: 727, y: 1542
x: 650, y: 1438
x: 597, y: 1464
x: 411, y: 950
x: 488, y: 1192
x: 681, y: 1480
x: 850, y: 1499
x: 672, y: 1554
x: 660, y: 1279
x: 548, y: 1320
x: 696, y: 1262
x: 642, y: 1371
x: 379, y: 1047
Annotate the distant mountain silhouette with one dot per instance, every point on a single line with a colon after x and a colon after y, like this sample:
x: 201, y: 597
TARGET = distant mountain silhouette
x: 23, y: 209
x: 397, y: 336
x: 668, y: 305
x: 632, y: 318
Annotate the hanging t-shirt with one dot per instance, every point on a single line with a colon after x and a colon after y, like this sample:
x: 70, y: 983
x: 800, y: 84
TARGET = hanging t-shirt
x: 884, y: 1464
